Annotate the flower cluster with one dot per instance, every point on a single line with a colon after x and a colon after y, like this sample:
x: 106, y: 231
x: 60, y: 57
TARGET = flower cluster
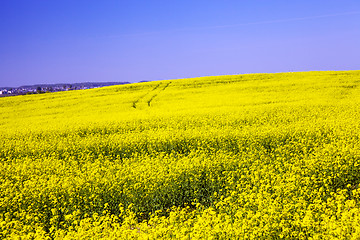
x: 259, y: 156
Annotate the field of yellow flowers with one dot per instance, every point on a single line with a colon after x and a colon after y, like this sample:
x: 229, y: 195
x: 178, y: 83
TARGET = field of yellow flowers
x: 255, y: 156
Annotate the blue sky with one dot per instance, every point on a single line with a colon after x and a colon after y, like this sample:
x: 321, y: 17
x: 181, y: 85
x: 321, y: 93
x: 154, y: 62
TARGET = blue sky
x: 72, y: 41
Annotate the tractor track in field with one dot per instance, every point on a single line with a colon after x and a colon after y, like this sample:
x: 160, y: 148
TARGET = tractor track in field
x: 156, y: 94
x: 143, y: 96
x: 152, y: 94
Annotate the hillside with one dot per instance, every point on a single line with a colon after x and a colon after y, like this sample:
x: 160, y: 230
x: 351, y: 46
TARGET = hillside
x: 255, y: 156
x: 47, y: 88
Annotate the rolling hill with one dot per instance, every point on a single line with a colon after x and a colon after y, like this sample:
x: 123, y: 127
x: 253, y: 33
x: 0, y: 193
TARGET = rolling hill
x: 254, y: 156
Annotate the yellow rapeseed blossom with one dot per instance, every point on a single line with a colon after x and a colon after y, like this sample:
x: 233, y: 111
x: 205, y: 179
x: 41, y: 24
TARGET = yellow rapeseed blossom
x: 256, y: 156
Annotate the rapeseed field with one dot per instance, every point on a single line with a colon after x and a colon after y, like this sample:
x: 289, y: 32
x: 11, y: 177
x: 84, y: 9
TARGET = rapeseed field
x: 255, y: 156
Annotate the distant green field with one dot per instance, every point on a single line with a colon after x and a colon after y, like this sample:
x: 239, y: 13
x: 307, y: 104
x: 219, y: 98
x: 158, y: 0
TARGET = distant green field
x: 255, y: 156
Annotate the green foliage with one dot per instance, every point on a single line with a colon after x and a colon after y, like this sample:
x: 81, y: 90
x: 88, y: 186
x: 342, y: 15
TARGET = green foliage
x: 258, y: 156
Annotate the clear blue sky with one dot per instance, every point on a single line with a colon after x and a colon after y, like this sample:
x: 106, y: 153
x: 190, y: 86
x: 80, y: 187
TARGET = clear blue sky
x: 43, y: 41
